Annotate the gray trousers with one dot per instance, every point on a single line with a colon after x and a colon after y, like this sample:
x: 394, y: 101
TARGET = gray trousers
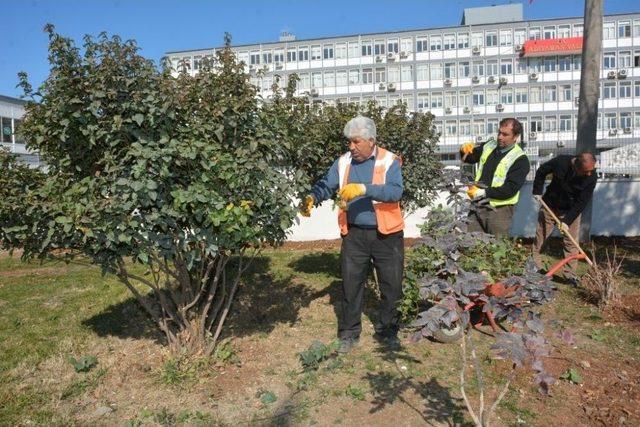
x: 544, y: 229
x: 496, y: 222
x: 359, y: 247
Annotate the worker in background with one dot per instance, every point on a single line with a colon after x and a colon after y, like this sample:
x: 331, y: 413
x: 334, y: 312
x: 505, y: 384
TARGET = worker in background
x: 502, y: 170
x: 371, y: 224
x: 573, y: 180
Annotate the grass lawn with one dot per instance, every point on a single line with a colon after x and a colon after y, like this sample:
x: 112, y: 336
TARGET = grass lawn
x: 51, y: 312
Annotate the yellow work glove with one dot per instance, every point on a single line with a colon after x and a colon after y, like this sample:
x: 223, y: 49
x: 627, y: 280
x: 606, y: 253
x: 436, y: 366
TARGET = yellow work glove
x: 475, y: 193
x: 564, y: 228
x: 306, y: 205
x: 351, y: 191
x: 467, y: 148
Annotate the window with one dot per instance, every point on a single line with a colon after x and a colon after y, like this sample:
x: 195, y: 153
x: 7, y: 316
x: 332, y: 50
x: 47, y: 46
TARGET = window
x: 506, y: 38
x: 565, y: 123
x: 316, y: 80
x: 327, y: 52
x: 6, y: 130
x: 450, y: 99
x: 549, y: 32
x: 436, y: 100
x: 625, y: 120
x: 608, y: 31
x: 465, y: 99
x: 506, y: 67
x: 422, y: 44
x: 609, y: 61
x: 478, y: 97
x: 278, y: 56
x: 477, y: 39
x: 436, y: 71
x: 405, y: 45
x: 578, y: 30
x: 550, y: 64
x: 624, y: 59
x: 636, y: 88
x: 550, y: 124
x: 436, y: 43
x: 610, y: 121
x: 464, y: 69
x: 367, y: 48
x: 564, y: 31
x: 304, y: 81
x: 254, y: 58
x: 423, y: 101
x: 492, y: 68
x: 316, y: 53
x: 536, y: 124
x: 479, y: 127
x: 354, y: 77
x: 303, y: 53
x: 534, y: 33
x: 624, y: 29
x: 636, y: 59
x: 291, y: 55
x: 535, y: 94
x: 422, y: 72
x: 520, y: 36
x: 577, y: 62
x: 378, y: 47
x: 451, y: 128
x: 609, y: 91
x: 565, y: 93
x: 353, y: 50
x: 521, y: 66
x: 492, y: 127
x: 550, y: 94
x: 535, y: 65
x: 491, y: 38
x: 393, y: 46
x: 478, y: 68
x: 624, y: 90
x: 463, y: 40
x: 381, y: 75
x: 491, y: 97
x: 406, y: 74
x: 341, y: 51
x: 449, y: 42
x: 367, y: 75
x: 267, y: 57
x: 636, y: 120
x: 522, y: 95
x: 341, y: 78
x: 465, y: 127
x: 506, y: 96
x: 393, y: 74
x: 564, y: 63
x: 329, y: 79
x: 449, y: 70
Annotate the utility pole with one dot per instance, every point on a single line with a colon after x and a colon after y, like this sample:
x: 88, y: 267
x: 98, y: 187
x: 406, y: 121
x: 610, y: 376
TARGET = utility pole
x: 589, y: 92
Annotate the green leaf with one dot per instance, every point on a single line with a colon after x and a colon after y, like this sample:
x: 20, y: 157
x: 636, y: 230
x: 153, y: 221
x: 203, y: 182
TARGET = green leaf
x: 138, y: 118
x: 572, y: 376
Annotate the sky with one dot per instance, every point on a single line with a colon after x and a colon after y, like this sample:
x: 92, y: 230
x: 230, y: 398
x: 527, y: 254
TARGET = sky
x: 161, y: 26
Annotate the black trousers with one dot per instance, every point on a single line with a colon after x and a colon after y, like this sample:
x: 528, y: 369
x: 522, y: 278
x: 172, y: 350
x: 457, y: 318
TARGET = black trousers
x: 359, y: 247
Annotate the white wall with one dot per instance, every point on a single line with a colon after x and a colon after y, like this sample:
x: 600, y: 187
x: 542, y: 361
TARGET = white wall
x: 616, y: 212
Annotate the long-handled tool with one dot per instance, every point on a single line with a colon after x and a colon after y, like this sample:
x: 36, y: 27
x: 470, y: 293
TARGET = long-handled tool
x: 558, y: 222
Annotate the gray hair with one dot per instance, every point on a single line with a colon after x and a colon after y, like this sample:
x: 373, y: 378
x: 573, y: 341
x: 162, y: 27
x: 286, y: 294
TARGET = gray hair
x: 362, y: 127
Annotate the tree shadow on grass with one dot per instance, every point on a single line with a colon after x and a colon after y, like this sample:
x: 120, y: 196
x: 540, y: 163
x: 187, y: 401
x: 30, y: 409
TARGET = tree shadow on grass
x: 438, y: 406
x: 323, y: 262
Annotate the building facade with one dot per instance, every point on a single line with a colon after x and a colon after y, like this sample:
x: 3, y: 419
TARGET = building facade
x: 11, y: 114
x: 494, y: 65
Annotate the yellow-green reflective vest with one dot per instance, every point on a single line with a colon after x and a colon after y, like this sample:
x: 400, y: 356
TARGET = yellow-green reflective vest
x: 500, y: 174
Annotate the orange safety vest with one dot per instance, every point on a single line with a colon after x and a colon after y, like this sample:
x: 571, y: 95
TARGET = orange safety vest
x: 388, y: 215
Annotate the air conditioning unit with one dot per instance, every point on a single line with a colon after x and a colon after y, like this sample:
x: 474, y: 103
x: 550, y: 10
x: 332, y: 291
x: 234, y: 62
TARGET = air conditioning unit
x: 403, y: 54
x: 533, y: 134
x: 252, y: 67
x: 622, y: 74
x: 378, y: 58
x: 382, y: 86
x: 447, y: 110
x: 499, y: 107
x: 576, y: 101
x: 611, y: 75
x: 491, y: 79
x: 391, y: 56
x: 479, y: 139
x: 420, y: 110
x: 391, y: 87
x: 475, y: 79
x: 278, y: 65
x: 503, y: 80
x: 613, y: 132
x: 626, y: 130
x: 518, y: 47
x: 560, y: 144
x: 467, y: 110
x: 533, y: 76
x: 447, y: 82
x: 313, y: 92
x: 476, y: 50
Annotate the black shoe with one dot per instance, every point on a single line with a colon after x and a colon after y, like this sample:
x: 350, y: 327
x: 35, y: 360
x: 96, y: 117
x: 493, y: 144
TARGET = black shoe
x: 573, y: 282
x: 390, y: 341
x: 347, y: 344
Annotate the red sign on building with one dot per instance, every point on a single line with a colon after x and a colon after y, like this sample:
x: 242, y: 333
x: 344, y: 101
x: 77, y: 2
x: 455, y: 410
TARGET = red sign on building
x: 548, y: 47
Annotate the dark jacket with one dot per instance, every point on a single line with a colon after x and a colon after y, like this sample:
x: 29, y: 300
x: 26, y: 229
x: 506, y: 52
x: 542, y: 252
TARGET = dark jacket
x: 567, y: 193
x: 516, y: 175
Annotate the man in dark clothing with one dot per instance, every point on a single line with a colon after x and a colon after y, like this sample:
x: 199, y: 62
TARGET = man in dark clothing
x: 502, y: 170
x: 572, y: 184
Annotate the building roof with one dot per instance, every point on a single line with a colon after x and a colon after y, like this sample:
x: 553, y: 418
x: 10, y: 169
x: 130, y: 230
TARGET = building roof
x: 492, y: 14
x: 12, y: 100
